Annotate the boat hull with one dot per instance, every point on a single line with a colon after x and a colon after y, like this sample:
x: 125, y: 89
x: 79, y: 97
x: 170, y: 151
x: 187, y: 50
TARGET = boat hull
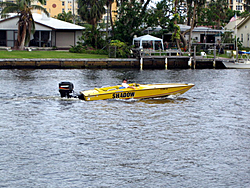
x: 140, y: 91
x: 229, y: 65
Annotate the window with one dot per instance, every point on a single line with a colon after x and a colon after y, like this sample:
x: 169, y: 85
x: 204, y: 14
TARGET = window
x: 242, y: 37
x: 238, y: 7
x: 63, y: 10
x: 2, y: 38
x: 63, y: 3
x: 239, y: 1
x: 41, y: 38
x: 10, y: 38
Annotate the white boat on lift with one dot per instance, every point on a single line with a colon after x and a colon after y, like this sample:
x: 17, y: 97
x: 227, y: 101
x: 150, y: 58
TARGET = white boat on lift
x: 237, y: 65
x: 243, y: 63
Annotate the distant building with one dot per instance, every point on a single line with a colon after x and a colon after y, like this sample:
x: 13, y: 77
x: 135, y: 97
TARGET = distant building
x: 237, y: 5
x: 54, y: 7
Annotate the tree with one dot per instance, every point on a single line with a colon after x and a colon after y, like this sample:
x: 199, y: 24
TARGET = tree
x: 67, y: 17
x: 177, y: 31
x: 195, y: 8
x: 217, y: 13
x: 132, y: 20
x: 92, y: 11
x: 109, y: 15
x: 84, y: 43
x: 26, y: 24
x: 161, y: 15
x: 168, y: 14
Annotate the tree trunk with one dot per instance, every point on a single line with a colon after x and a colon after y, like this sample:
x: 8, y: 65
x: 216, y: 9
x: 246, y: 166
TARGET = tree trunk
x: 17, y: 43
x: 111, y: 20
x: 175, y: 22
x: 21, y: 36
x: 192, y: 27
x: 95, y: 35
x: 184, y: 40
x: 21, y: 47
x: 107, y: 23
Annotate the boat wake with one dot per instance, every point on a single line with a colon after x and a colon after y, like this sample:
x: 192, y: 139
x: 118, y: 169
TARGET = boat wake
x: 41, y: 98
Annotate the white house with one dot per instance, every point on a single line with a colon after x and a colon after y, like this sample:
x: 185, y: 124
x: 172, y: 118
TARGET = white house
x: 240, y: 27
x: 243, y: 31
x: 50, y: 32
x: 199, y: 35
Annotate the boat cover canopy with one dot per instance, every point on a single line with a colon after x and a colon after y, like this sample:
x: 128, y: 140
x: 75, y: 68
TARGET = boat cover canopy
x: 148, y: 38
x: 241, y: 52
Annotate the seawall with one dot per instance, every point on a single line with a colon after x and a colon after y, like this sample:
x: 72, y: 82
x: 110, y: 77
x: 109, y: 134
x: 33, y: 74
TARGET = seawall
x: 172, y: 62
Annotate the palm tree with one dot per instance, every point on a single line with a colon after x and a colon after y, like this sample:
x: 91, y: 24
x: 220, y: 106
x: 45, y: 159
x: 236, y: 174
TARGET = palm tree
x: 67, y: 17
x: 91, y: 11
x: 26, y: 24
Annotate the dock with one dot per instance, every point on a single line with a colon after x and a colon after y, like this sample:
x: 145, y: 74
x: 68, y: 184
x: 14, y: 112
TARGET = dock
x: 153, y: 62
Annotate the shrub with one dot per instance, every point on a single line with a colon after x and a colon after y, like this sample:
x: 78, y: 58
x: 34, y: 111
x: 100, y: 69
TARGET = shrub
x: 87, y: 50
x: 122, y: 49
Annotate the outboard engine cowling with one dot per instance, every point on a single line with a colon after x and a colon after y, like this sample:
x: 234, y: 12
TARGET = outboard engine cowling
x: 66, y: 89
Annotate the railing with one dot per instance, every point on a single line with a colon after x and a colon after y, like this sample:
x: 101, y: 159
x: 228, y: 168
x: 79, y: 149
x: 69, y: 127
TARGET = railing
x: 144, y: 53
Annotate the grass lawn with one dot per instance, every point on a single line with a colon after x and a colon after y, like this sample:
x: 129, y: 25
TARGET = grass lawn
x: 46, y: 54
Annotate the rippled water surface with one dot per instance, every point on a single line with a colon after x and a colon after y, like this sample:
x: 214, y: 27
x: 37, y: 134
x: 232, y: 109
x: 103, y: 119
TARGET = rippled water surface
x: 201, y: 139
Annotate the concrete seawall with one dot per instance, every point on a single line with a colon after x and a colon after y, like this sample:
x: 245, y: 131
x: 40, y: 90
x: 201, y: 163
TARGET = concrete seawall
x: 66, y: 63
x: 173, y: 62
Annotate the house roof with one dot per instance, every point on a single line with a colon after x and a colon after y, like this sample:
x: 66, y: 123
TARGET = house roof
x: 206, y: 29
x: 196, y: 29
x: 199, y: 28
x: 231, y: 25
x: 52, y: 23
x: 243, y: 21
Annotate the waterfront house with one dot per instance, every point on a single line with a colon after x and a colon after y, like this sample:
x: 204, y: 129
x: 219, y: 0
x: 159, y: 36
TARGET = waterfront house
x: 243, y: 31
x: 240, y: 27
x: 200, y: 34
x: 50, y: 32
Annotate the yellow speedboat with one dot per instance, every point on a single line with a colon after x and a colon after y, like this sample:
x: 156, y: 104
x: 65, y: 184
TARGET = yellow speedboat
x: 140, y: 91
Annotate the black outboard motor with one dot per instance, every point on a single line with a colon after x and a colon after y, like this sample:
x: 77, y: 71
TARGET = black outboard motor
x: 66, y: 89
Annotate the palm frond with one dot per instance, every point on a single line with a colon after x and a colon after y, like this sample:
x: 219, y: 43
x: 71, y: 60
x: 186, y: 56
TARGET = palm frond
x: 42, y: 1
x: 6, y: 4
x: 38, y: 7
x: 9, y: 9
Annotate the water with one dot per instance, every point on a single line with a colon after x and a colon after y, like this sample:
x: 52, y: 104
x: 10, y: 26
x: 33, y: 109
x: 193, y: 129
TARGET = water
x: 201, y: 139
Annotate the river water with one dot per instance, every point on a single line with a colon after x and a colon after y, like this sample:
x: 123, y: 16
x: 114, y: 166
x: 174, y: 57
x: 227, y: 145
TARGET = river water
x: 201, y: 139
